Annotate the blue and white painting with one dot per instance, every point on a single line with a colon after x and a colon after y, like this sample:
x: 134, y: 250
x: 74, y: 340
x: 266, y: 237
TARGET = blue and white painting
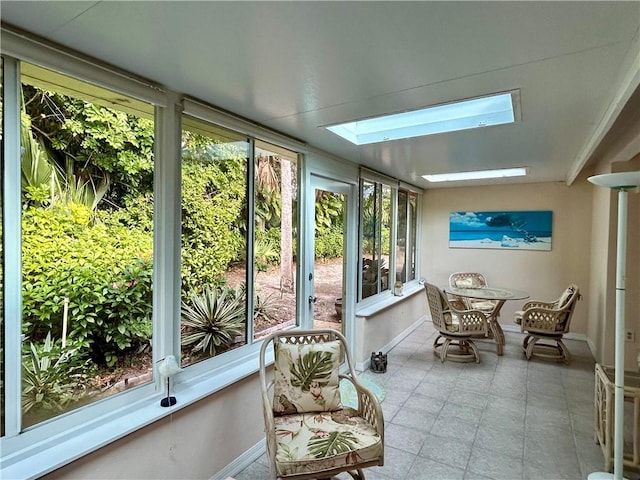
x: 527, y: 230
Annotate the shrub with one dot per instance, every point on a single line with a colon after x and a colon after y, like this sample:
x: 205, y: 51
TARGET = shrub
x: 329, y: 244
x: 212, y: 200
x: 104, y: 269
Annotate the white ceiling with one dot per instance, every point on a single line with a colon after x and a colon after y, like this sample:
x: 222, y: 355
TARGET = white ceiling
x: 297, y: 66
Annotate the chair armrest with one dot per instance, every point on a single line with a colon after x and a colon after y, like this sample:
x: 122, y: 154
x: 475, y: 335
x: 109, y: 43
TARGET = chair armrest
x: 540, y: 304
x: 368, y: 405
x: 543, y: 320
x: 471, y: 321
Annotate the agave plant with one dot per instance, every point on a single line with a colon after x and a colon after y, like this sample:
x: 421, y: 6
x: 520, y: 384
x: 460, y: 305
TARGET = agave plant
x: 52, y: 376
x: 212, y: 320
x: 263, y: 307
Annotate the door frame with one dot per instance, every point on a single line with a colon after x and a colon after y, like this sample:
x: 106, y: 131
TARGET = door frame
x: 318, y: 173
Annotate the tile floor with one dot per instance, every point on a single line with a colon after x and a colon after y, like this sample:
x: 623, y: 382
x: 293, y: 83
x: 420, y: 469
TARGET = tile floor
x: 505, y: 418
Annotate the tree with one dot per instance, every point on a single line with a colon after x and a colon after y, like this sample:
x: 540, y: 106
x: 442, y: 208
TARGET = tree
x: 286, y: 228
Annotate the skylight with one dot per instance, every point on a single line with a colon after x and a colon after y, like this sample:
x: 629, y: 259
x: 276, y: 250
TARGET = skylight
x: 473, y: 113
x: 477, y: 175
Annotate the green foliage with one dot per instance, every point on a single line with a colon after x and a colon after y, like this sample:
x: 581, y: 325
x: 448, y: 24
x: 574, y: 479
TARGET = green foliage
x: 104, y: 269
x: 100, y: 142
x: 213, y: 197
x: 329, y: 212
x: 212, y: 320
x: 52, y: 377
x: 329, y: 244
x: 265, y: 254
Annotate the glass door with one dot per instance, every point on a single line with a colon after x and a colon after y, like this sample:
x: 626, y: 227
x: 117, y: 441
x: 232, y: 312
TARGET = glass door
x: 327, y: 298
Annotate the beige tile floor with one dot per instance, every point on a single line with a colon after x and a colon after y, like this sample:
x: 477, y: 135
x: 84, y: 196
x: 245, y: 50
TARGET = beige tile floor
x: 505, y: 418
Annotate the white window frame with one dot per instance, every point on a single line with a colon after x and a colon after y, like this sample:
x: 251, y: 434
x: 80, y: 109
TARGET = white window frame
x: 382, y: 299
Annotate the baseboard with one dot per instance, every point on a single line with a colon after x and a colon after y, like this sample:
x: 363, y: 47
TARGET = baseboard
x: 362, y: 366
x: 242, y: 462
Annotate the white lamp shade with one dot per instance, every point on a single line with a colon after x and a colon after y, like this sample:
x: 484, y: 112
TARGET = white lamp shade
x: 617, y: 180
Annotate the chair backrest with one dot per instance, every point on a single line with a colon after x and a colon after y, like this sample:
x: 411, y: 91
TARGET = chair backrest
x: 467, y: 280
x: 567, y: 302
x: 306, y: 368
x: 438, y: 306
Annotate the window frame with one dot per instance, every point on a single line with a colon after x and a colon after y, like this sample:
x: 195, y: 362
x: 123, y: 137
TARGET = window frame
x: 411, y: 236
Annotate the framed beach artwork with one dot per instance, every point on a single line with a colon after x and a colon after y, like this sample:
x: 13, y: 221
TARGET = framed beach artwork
x: 517, y: 230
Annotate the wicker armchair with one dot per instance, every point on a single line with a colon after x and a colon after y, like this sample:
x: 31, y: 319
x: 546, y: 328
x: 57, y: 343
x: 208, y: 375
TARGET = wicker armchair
x: 545, y: 323
x: 456, y: 327
x: 309, y: 433
x: 472, y: 280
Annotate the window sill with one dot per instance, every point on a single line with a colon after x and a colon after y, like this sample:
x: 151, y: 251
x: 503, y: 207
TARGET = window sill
x: 387, y: 300
x: 34, y: 459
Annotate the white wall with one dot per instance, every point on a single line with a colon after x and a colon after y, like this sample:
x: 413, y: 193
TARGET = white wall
x: 544, y: 275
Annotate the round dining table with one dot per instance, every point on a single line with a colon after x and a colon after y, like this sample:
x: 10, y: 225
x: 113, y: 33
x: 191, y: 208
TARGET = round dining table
x: 498, y: 295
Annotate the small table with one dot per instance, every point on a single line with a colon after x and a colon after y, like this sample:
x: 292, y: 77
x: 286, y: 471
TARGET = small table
x: 500, y: 295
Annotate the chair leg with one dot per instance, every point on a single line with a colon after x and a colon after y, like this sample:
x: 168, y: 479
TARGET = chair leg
x: 443, y: 351
x: 530, y: 342
x: 564, y: 351
x: 356, y: 474
x: 475, y: 350
x: 525, y: 345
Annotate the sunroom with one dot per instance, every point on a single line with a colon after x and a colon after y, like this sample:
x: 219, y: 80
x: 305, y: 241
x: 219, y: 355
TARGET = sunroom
x: 162, y: 159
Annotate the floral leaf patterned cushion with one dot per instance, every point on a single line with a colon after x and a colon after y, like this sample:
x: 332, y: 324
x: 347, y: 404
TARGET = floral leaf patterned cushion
x: 306, y: 378
x: 312, y: 442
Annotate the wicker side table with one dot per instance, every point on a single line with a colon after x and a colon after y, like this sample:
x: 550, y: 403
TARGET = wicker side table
x: 604, y: 406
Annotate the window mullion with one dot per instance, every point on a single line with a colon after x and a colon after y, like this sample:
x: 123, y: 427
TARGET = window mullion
x: 12, y: 234
x: 393, y: 222
x: 167, y: 221
x: 251, y: 225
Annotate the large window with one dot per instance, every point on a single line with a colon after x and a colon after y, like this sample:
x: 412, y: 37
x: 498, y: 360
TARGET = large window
x: 275, y: 227
x: 214, y: 233
x: 87, y: 243
x: 406, y: 236
x: 375, y: 226
x: 222, y: 278
x: 388, y: 223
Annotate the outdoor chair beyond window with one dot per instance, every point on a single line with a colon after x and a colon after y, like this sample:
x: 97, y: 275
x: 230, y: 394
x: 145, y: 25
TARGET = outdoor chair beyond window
x: 472, y: 280
x: 456, y: 328
x: 309, y: 433
x: 545, y: 323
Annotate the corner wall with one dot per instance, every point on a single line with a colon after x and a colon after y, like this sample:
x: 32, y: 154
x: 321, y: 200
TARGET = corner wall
x: 544, y: 275
x: 603, y: 267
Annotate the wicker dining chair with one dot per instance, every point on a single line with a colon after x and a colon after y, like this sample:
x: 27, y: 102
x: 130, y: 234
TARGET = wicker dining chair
x: 309, y: 433
x: 545, y: 323
x: 456, y: 328
x: 471, y: 280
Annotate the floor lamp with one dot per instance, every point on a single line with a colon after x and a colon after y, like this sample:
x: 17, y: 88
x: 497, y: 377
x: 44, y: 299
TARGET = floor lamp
x: 621, y: 182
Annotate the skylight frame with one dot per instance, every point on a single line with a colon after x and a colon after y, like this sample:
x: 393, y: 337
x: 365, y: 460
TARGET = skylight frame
x: 477, y: 175
x: 477, y: 112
